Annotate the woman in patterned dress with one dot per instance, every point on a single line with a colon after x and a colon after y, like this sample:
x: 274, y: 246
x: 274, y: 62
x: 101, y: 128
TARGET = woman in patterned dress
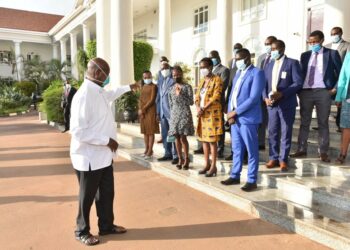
x: 148, y: 113
x: 181, y: 123
x: 209, y: 112
x: 343, y: 99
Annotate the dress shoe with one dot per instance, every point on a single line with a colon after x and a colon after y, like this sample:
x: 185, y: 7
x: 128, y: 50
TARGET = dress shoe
x: 315, y: 128
x: 324, y: 157
x: 272, y: 164
x: 229, y: 158
x: 283, y: 166
x: 198, y: 151
x: 165, y: 158
x: 175, y: 161
x: 231, y: 181
x: 160, y: 140
x: 64, y: 131
x: 249, y: 187
x: 262, y: 147
x: 298, y: 154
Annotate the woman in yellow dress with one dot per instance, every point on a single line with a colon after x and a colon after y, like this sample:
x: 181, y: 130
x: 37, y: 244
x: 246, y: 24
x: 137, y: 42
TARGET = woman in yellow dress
x: 209, y: 112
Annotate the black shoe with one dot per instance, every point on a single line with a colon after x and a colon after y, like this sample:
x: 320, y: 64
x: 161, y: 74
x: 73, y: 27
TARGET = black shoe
x: 64, y: 131
x: 249, y: 187
x: 261, y: 147
x: 229, y: 158
x: 315, y: 128
x: 231, y: 181
x: 211, y: 173
x: 165, y: 158
x: 198, y: 151
x: 175, y: 161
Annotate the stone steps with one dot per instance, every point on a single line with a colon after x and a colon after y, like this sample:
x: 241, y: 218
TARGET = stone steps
x: 305, y: 200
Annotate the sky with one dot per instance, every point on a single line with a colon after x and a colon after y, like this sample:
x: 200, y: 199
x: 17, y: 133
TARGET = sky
x: 59, y: 7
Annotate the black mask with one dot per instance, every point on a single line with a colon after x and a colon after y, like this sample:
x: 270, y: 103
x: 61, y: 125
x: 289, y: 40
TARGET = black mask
x: 178, y: 79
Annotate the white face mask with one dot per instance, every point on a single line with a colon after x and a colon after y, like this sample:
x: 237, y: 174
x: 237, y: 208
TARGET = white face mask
x: 204, y: 72
x: 147, y: 81
x: 165, y: 72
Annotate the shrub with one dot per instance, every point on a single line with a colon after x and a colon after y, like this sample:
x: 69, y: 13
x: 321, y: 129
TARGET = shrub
x: 82, y: 61
x: 143, y: 53
x: 91, y: 49
x: 10, y: 98
x: 25, y: 87
x: 52, y: 102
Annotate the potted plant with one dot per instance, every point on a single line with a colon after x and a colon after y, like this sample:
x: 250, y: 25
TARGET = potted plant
x: 127, y: 104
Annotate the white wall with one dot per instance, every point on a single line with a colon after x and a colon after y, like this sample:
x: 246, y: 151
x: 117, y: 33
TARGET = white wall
x: 43, y: 50
x: 5, y: 69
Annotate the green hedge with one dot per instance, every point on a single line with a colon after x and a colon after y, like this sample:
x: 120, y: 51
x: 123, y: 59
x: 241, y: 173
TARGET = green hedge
x: 52, y: 102
x: 143, y: 54
x: 10, y: 98
x: 26, y: 87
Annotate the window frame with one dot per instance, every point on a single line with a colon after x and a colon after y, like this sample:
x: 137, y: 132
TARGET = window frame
x: 257, y: 17
x: 196, y: 16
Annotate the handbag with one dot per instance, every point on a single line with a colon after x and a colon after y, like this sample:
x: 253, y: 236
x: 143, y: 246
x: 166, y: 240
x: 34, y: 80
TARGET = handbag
x: 170, y: 138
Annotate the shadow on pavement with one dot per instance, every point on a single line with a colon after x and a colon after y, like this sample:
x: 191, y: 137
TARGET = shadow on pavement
x: 29, y: 171
x: 36, y: 198
x: 34, y: 155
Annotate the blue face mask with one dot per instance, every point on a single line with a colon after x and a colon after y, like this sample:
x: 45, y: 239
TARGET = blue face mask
x: 275, y: 54
x: 105, y: 82
x: 241, y: 65
x: 215, y: 61
x: 268, y: 49
x: 336, y: 39
x: 235, y: 51
x: 315, y: 48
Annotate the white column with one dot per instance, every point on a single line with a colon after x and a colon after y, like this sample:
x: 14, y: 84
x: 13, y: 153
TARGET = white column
x: 86, y: 34
x: 18, y: 59
x: 224, y: 35
x: 103, y: 29
x: 55, y: 51
x: 122, y: 66
x: 63, y: 43
x: 73, y: 54
x: 164, y: 36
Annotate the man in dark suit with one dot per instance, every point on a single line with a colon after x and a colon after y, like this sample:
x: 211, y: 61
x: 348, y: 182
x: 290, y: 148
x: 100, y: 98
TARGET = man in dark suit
x: 283, y: 81
x: 320, y: 68
x: 244, y: 115
x: 342, y: 46
x: 233, y: 69
x: 67, y: 97
x: 263, y: 61
x: 165, y: 82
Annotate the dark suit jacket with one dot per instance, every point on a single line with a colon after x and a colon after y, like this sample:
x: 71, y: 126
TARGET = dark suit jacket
x: 249, y: 96
x: 67, y: 101
x: 224, y: 74
x: 331, y: 66
x: 289, y: 85
x: 261, y: 61
x: 232, y: 75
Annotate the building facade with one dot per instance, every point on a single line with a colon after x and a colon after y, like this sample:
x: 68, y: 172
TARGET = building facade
x: 183, y: 30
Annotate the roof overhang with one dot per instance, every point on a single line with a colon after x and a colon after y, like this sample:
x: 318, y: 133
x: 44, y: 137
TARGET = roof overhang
x: 25, y: 36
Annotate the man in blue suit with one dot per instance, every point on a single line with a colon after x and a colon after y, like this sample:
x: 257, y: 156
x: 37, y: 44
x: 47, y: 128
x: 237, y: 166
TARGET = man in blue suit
x: 283, y: 81
x: 165, y: 82
x: 244, y: 116
x: 320, y: 68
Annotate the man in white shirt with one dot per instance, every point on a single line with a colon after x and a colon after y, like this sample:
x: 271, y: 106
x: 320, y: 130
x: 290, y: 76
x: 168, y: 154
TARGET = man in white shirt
x: 93, y: 146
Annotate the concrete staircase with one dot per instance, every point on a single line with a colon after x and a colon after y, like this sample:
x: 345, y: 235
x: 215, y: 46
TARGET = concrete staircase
x: 312, y: 199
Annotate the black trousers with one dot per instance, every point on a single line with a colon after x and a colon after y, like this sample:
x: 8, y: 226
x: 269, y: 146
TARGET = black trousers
x: 98, y: 185
x: 221, y: 142
x: 66, y: 116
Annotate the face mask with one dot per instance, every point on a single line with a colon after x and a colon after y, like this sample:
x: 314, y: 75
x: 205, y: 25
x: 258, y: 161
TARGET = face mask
x: 105, y: 82
x: 336, y: 39
x: 275, y: 54
x: 215, y: 61
x: 165, y: 72
x: 147, y: 81
x: 235, y: 51
x: 204, y: 72
x: 315, y: 48
x: 268, y: 49
x: 241, y: 64
x: 178, y: 79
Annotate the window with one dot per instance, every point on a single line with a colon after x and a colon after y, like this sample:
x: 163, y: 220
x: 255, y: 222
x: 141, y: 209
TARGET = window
x: 201, y: 20
x: 5, y: 56
x: 141, y: 35
x: 253, y: 10
x: 29, y: 57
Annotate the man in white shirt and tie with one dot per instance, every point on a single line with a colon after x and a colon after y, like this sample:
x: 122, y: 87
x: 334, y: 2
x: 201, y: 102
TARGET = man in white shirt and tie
x: 93, y: 146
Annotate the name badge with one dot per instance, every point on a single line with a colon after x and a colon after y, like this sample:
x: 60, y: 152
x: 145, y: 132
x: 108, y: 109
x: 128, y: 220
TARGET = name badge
x: 284, y: 75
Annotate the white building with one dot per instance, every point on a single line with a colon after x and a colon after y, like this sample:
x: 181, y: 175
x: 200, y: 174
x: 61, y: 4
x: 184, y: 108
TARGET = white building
x: 183, y: 30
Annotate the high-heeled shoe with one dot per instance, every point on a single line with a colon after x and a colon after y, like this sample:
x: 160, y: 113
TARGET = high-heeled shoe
x: 181, y: 162
x: 341, y: 159
x: 187, y: 165
x: 211, y: 173
x: 206, y: 169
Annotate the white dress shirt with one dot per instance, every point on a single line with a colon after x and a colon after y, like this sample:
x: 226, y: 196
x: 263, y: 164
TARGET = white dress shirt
x: 233, y: 102
x: 91, y: 125
x: 275, y: 72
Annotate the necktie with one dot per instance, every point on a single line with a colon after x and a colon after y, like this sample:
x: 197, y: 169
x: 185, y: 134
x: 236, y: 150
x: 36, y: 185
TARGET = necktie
x: 267, y: 60
x: 312, y: 71
x: 275, y: 72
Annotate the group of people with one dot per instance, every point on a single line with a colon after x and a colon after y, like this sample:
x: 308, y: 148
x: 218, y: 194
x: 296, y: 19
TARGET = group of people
x: 253, y: 98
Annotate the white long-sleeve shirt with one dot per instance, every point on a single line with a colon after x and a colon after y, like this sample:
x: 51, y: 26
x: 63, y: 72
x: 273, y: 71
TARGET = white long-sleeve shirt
x: 91, y: 125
